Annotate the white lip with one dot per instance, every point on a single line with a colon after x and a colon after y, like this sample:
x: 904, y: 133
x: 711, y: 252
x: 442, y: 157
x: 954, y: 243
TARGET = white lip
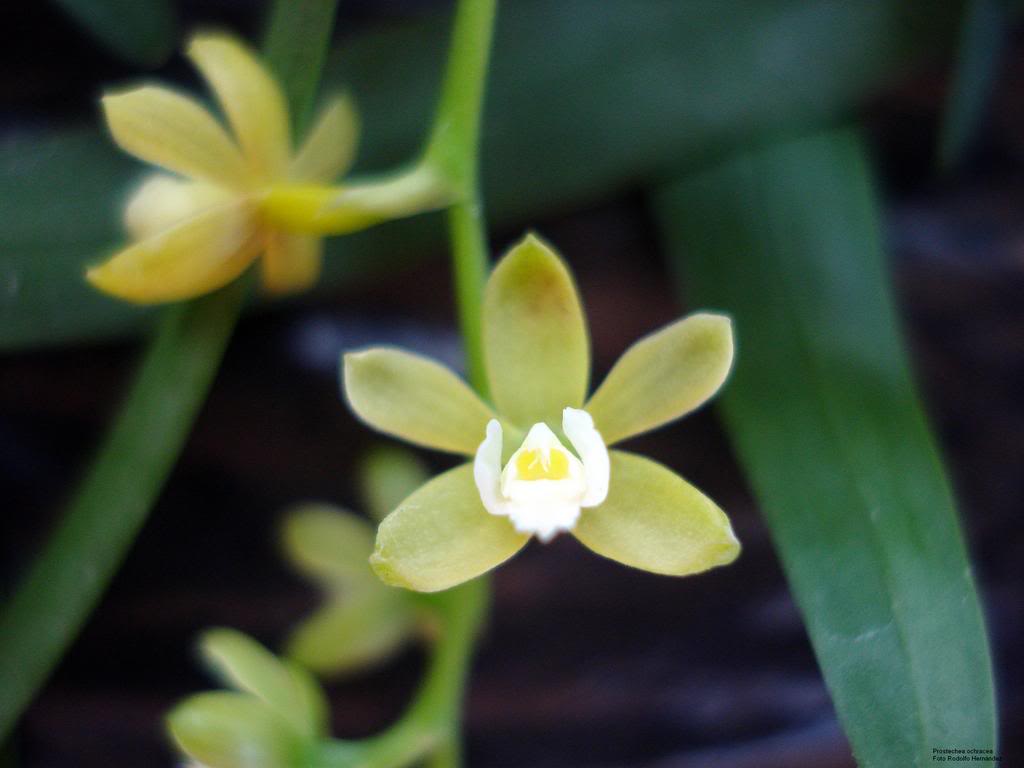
x: 544, y: 507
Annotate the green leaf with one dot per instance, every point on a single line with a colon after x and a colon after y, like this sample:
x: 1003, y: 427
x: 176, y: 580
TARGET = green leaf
x: 354, y: 631
x: 414, y: 398
x: 442, y: 536
x: 386, y: 476
x: 296, y: 45
x: 234, y: 730
x: 536, y: 348
x: 826, y: 421
x: 328, y: 544
x: 58, y: 591
x: 288, y: 690
x: 663, y: 376
x: 140, y: 31
x: 656, y: 521
x: 62, y: 192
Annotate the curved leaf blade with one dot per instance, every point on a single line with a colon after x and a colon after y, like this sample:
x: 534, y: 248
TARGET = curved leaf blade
x: 824, y: 415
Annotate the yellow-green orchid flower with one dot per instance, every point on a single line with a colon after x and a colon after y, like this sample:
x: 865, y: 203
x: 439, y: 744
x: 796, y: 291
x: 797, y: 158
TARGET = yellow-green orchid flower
x: 274, y: 717
x: 230, y: 198
x: 361, y: 621
x: 540, y: 463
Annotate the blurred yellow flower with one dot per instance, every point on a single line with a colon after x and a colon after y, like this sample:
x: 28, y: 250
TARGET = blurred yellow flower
x: 236, y: 196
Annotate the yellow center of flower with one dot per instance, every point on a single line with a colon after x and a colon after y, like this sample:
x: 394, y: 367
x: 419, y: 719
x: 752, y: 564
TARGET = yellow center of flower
x: 542, y: 465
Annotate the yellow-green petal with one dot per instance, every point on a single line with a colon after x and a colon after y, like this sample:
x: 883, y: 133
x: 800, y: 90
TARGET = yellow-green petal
x: 194, y: 257
x: 330, y: 147
x: 656, y: 521
x: 251, y: 99
x: 247, y: 666
x: 663, y: 376
x: 161, y: 201
x: 387, y: 474
x: 291, y: 262
x: 234, y: 730
x: 175, y: 132
x: 416, y: 399
x: 354, y: 631
x: 328, y: 545
x: 536, y: 348
x: 442, y: 536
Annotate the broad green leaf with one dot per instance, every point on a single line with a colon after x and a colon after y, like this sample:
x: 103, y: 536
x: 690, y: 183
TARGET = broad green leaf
x: 234, y: 730
x: 442, y: 536
x: 246, y: 665
x: 414, y: 398
x: 982, y: 42
x: 663, y: 376
x: 656, y: 521
x: 536, y: 349
x: 386, y: 476
x: 354, y: 631
x: 328, y: 544
x: 62, y: 191
x: 140, y: 31
x: 826, y: 421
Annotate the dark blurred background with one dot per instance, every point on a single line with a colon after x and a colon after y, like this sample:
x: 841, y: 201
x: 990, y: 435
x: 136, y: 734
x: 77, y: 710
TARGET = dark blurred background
x: 586, y: 663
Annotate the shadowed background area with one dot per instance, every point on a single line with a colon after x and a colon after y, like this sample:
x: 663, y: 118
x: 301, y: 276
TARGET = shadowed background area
x: 585, y: 663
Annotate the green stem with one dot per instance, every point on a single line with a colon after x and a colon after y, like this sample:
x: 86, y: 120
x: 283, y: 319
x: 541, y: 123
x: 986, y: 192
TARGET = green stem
x: 110, y: 506
x: 454, y: 149
x: 431, y: 722
x: 431, y: 726
x: 78, y: 561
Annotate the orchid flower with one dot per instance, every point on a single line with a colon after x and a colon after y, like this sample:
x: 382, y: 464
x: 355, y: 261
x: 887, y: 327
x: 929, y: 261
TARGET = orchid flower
x: 224, y: 199
x: 539, y: 459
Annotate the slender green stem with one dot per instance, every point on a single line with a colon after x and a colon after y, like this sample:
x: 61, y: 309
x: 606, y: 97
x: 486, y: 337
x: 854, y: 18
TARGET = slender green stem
x: 469, y: 265
x: 431, y: 726
x: 454, y: 149
x: 110, y: 506
x: 69, y: 576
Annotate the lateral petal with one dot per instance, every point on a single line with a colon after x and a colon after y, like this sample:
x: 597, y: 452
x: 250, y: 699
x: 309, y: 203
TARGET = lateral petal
x: 664, y: 376
x: 165, y: 128
x: 329, y: 545
x: 161, y: 201
x: 330, y: 147
x: 414, y: 398
x: 353, y: 631
x: 194, y: 257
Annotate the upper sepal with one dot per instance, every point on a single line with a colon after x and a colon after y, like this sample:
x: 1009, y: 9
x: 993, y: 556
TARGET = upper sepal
x: 536, y: 348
